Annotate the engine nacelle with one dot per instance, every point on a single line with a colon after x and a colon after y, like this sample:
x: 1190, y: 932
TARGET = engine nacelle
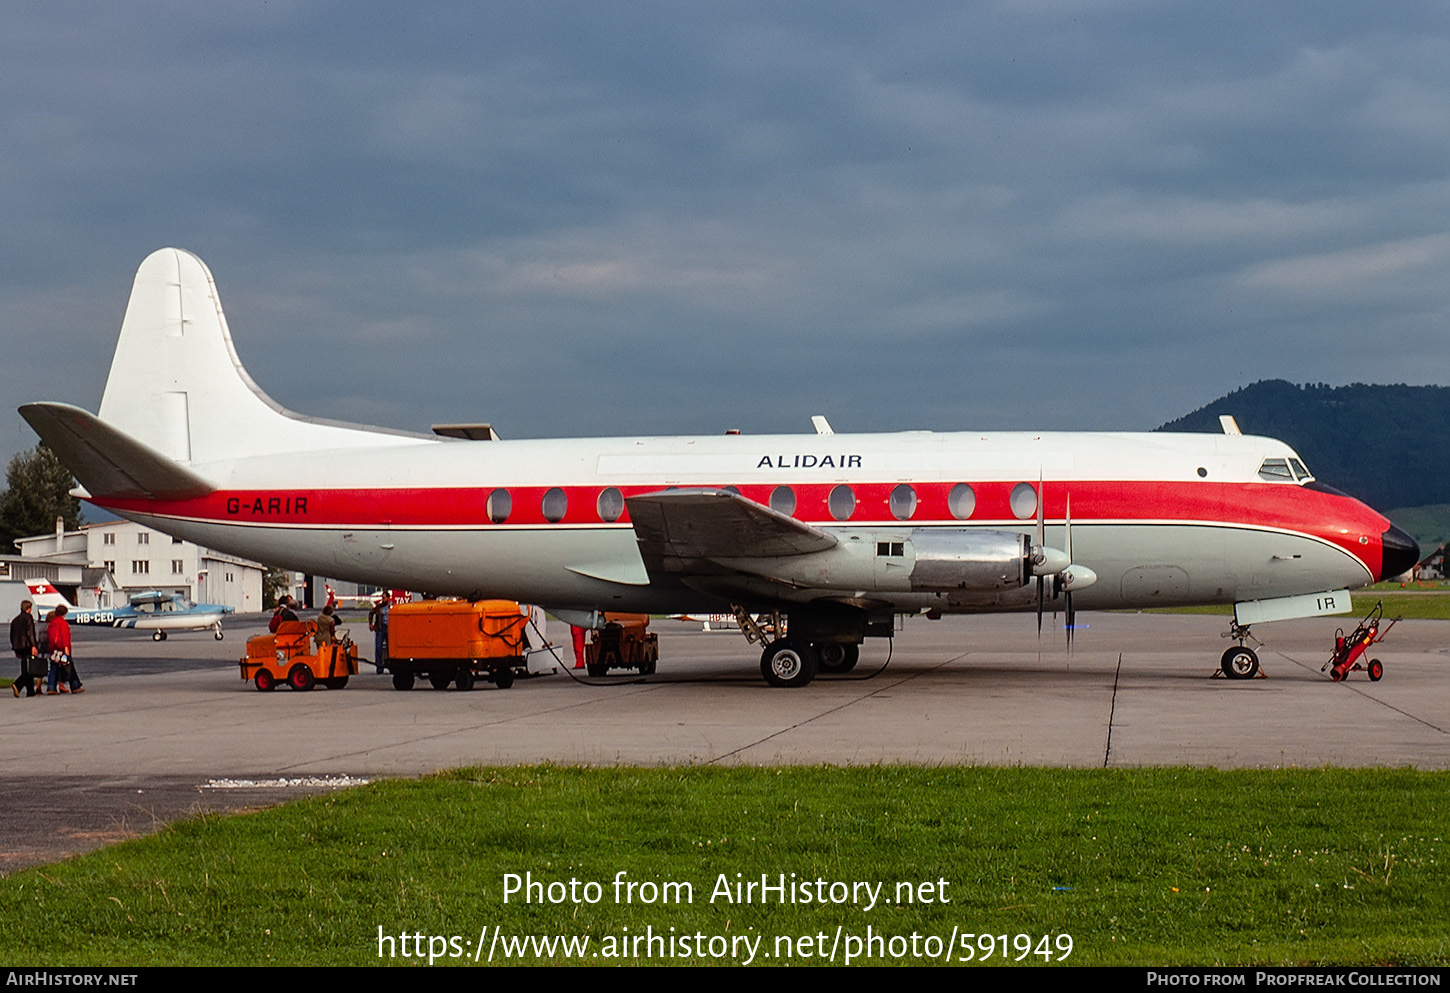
x: 968, y: 559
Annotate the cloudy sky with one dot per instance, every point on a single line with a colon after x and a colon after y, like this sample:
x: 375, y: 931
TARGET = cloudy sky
x: 646, y: 218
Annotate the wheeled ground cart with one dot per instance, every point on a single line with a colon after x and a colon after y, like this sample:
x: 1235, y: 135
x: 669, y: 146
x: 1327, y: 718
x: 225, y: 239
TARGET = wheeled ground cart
x: 456, y: 642
x: 1349, y: 650
x: 287, y: 657
x: 623, y: 643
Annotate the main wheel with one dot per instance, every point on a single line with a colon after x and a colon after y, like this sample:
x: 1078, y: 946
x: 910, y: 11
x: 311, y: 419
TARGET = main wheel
x: 1240, y: 663
x: 158, y: 635
x: 219, y: 633
x: 464, y: 679
x: 264, y: 680
x: 836, y: 657
x: 1376, y: 670
x: 402, y: 680
x: 300, y: 678
x: 785, y: 663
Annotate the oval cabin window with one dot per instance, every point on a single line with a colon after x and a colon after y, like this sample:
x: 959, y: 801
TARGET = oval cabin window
x: 961, y: 501
x: 610, y: 505
x: 500, y: 504
x: 782, y: 500
x: 902, y: 502
x: 555, y: 504
x: 1024, y: 501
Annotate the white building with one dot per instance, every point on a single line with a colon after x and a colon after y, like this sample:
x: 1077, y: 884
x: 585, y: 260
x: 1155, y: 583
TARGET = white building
x: 138, y: 558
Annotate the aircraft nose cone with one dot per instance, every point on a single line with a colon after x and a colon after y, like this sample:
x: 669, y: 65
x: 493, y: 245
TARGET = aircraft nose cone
x: 1400, y: 553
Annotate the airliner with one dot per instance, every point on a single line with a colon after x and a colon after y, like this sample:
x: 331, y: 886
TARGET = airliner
x: 832, y: 535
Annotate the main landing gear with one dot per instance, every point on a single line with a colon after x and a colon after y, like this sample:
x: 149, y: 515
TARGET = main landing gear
x: 786, y: 662
x: 795, y: 661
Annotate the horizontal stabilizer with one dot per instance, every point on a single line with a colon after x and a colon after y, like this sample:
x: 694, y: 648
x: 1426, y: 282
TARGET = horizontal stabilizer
x: 683, y: 531
x: 108, y: 462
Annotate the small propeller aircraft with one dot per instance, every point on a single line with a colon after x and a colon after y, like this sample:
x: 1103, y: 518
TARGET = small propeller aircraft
x: 831, y: 536
x: 151, y: 610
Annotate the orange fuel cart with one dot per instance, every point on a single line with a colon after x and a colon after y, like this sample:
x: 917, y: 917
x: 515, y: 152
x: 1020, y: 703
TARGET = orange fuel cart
x: 457, y: 642
x: 287, y: 657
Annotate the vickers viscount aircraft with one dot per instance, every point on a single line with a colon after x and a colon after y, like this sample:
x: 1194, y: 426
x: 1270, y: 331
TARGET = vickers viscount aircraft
x: 833, y: 534
x: 152, y: 611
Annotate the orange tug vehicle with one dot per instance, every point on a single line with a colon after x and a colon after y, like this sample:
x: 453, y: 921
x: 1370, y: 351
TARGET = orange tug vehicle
x: 457, y: 642
x: 287, y: 657
x: 623, y: 643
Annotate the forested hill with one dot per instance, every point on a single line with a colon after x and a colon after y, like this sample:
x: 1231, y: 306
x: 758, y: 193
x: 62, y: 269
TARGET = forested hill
x: 1387, y: 445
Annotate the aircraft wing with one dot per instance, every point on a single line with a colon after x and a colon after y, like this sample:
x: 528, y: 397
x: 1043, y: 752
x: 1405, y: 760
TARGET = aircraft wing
x: 108, y: 462
x: 683, y: 532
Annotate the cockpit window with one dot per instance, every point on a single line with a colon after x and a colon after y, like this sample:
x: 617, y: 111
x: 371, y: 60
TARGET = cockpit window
x: 1300, y: 473
x: 1276, y: 470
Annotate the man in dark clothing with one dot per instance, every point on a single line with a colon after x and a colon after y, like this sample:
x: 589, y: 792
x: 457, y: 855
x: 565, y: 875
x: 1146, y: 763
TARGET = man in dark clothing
x: 23, y: 643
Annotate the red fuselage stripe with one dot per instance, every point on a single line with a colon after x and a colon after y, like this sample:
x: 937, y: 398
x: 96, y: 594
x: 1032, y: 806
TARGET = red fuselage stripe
x: 1280, y: 506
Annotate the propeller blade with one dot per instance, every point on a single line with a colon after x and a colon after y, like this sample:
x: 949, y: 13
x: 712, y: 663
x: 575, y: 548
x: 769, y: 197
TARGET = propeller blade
x: 1067, y: 541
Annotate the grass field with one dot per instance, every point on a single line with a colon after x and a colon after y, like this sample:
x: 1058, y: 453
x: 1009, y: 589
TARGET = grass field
x: 1136, y: 866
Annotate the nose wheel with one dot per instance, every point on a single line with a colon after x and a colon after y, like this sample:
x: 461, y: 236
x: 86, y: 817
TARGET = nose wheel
x: 1239, y: 663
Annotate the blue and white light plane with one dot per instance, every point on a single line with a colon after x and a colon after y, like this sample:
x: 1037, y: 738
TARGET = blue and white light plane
x: 152, y: 611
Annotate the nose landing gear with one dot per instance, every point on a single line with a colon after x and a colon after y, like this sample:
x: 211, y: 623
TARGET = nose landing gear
x: 1241, y: 661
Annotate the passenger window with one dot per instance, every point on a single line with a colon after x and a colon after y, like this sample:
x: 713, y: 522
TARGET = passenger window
x: 782, y: 500
x: 555, y: 505
x: 610, y: 505
x: 902, y: 502
x: 842, y: 502
x: 500, y: 504
x: 961, y: 501
x: 1024, y: 501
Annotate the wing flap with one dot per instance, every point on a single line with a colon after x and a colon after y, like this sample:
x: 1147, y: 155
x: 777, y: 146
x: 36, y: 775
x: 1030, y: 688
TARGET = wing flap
x: 108, y: 462
x: 684, y: 532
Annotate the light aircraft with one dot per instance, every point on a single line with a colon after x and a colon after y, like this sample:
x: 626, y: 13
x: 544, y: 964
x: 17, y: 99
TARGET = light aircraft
x: 152, y: 611
x: 832, y: 534
x: 336, y: 599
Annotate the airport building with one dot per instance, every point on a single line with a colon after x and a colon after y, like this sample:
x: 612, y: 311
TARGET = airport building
x: 100, y: 565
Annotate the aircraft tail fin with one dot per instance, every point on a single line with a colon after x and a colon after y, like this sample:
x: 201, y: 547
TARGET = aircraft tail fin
x: 46, y: 596
x: 178, y: 388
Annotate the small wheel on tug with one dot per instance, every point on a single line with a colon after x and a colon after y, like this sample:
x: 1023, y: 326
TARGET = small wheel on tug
x: 786, y: 663
x: 1239, y: 663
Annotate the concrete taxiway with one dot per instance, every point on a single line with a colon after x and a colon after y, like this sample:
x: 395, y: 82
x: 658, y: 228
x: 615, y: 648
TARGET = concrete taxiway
x: 169, y: 728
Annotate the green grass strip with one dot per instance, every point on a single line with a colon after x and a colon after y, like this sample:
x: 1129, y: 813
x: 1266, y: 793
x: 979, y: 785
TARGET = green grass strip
x: 1149, y: 866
